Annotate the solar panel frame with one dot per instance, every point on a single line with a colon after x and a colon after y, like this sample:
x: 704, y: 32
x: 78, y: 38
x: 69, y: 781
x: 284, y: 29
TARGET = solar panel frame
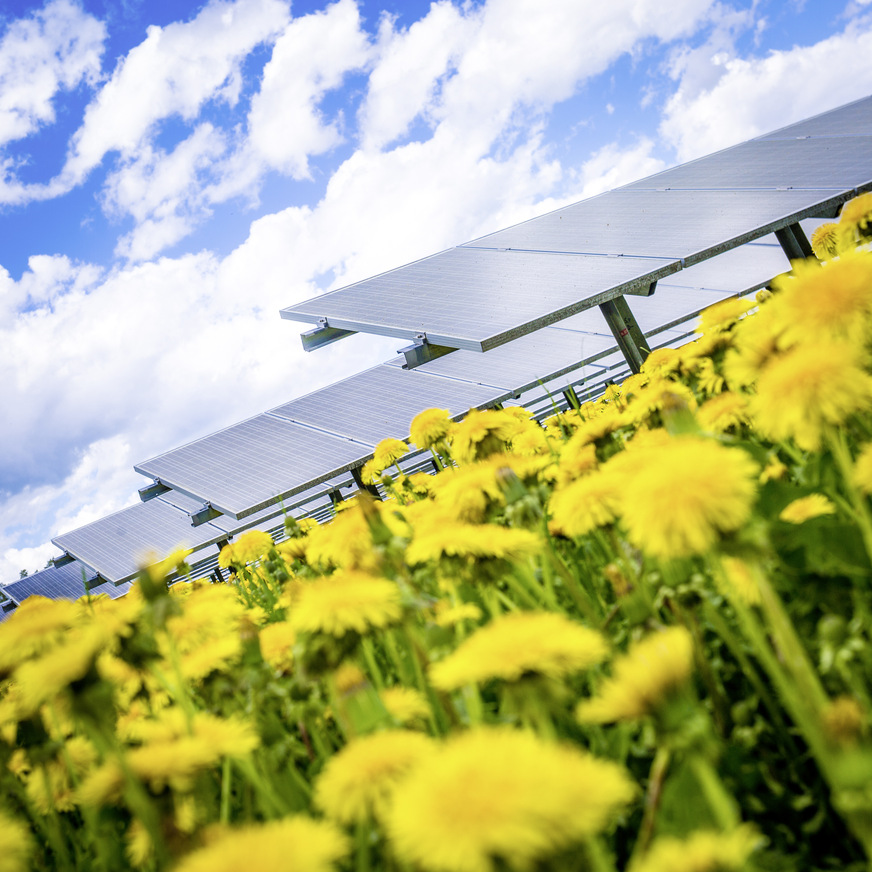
x: 234, y: 469
x: 837, y: 163
x: 117, y: 546
x: 380, y: 402
x: 852, y: 119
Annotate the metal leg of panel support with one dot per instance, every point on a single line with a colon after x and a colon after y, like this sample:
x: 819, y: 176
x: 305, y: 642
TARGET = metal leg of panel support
x: 369, y: 488
x: 571, y: 397
x: 626, y: 330
x: 793, y: 240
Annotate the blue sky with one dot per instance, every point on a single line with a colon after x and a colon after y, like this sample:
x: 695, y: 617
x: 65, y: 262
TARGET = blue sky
x: 171, y: 174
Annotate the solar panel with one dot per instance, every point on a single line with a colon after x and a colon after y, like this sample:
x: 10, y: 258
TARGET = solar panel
x: 117, y: 546
x: 252, y: 465
x: 55, y: 582
x: 479, y: 298
x: 678, y: 224
x: 381, y: 402
x: 854, y: 119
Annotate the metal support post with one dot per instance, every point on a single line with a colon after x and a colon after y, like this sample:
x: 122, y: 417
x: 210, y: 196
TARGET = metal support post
x: 626, y: 330
x: 63, y: 560
x: 369, y: 488
x: 793, y: 241
x: 571, y: 397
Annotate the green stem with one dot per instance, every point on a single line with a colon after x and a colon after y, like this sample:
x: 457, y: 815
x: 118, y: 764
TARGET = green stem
x: 842, y: 454
x: 722, y: 805
x: 653, y: 794
x: 226, y: 774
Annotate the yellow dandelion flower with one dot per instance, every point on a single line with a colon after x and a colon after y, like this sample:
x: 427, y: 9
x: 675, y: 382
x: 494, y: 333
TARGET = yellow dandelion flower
x: 15, y: 844
x: 702, y: 851
x: 855, y: 221
x: 36, y: 625
x: 809, y: 387
x: 724, y: 412
x: 346, y: 600
x: 209, y: 613
x: 532, y: 442
x: 678, y: 497
x: 577, y: 458
x: 292, y: 844
x: 721, y: 316
x: 138, y: 845
x: 449, y: 616
x: 349, y: 678
x: 755, y: 344
x: 277, y: 645
x: 43, y: 678
x: 358, y: 782
x: 429, y: 427
x: 775, y: 470
x: 248, y: 548
x: 662, y: 362
x: 52, y: 789
x: 471, y: 540
x: 642, y: 679
x: 708, y: 379
x: 843, y: 720
x: 159, y: 570
x: 824, y: 301
x: 517, y: 645
x: 387, y: 452
x: 497, y: 796
x: 609, y: 420
x: 825, y: 241
x: 581, y: 506
x: 212, y: 655
x: 346, y: 542
x: 481, y: 434
x: 806, y: 508
x: 405, y: 704
x: 742, y: 579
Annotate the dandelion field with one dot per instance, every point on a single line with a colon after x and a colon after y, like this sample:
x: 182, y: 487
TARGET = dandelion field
x: 633, y: 637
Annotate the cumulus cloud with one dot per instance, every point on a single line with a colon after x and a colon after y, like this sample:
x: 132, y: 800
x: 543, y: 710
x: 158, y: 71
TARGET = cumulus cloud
x: 173, y: 72
x: 312, y: 56
x: 56, y: 48
x: 754, y: 95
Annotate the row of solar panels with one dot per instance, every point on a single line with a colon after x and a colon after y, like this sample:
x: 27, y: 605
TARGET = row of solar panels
x: 292, y: 457
x: 297, y: 456
x: 512, y: 282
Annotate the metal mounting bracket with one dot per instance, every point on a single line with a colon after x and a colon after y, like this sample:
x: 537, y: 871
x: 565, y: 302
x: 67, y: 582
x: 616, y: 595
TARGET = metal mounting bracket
x: 323, y: 335
x: 201, y: 516
x: 150, y: 491
x: 794, y: 242
x: 422, y: 351
x: 626, y: 331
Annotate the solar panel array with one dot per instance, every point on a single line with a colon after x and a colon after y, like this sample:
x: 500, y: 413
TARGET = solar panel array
x: 503, y: 285
x: 693, y: 239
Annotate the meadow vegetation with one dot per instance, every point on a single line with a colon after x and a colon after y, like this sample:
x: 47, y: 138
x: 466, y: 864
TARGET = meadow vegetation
x: 635, y: 637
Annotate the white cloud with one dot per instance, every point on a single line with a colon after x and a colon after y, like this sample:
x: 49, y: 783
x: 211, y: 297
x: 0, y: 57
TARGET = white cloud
x: 755, y: 95
x: 310, y: 58
x: 56, y: 48
x: 163, y: 192
x: 409, y: 65
x: 173, y: 72
x: 612, y: 166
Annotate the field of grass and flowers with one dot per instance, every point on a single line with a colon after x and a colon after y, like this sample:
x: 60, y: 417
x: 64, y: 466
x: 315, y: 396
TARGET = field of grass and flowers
x: 635, y: 638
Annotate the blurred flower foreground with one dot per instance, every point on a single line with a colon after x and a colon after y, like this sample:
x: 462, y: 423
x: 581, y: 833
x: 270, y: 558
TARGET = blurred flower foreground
x: 634, y: 637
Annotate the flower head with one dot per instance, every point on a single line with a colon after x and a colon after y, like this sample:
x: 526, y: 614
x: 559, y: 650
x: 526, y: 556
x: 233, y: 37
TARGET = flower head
x: 679, y: 496
x: 806, y: 508
x: 855, y: 222
x: 15, y: 844
x: 721, y: 316
x: 723, y: 412
x: 470, y: 540
x: 862, y: 474
x: 824, y: 301
x: 249, y: 547
x: 429, y: 427
x: 825, y: 241
x: 358, y: 782
x: 292, y: 844
x: 642, y: 679
x: 346, y: 600
x: 518, y: 645
x: 809, y: 387
x: 405, y: 704
x: 387, y: 452
x: 499, y: 794
x: 702, y: 851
